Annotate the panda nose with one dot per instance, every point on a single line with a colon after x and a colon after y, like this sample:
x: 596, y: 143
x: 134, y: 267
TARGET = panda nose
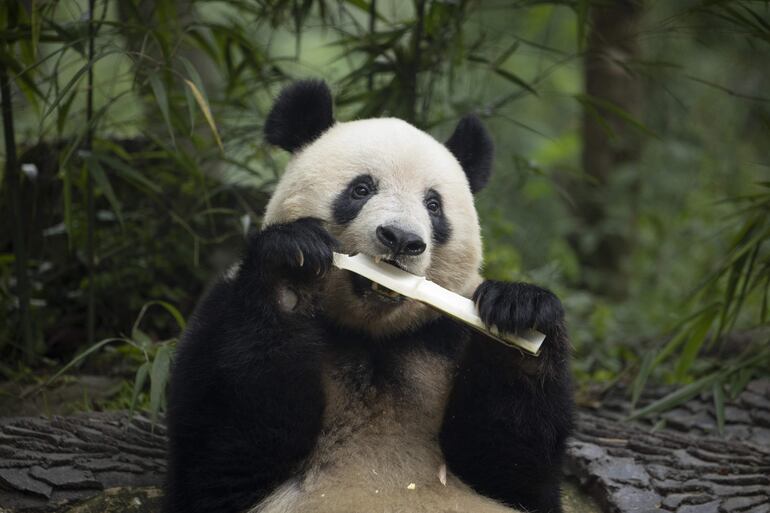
x: 399, y: 241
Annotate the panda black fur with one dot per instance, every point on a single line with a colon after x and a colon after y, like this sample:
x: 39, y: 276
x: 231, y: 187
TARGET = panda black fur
x: 296, y: 388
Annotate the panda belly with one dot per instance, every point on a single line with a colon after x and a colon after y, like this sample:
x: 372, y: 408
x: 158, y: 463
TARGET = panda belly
x: 378, y: 450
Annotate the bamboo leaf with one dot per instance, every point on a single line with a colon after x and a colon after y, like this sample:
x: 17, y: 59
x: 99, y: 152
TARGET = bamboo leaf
x: 100, y: 177
x: 762, y: 24
x: 719, y: 407
x: 682, y: 332
x: 190, y: 101
x: 82, y: 356
x: 74, y: 81
x: 158, y: 379
x: 193, y: 74
x: 672, y: 345
x: 733, y: 277
x: 582, y: 22
x: 740, y: 381
x: 128, y: 172
x: 175, y: 313
x: 73, y: 35
x: 159, y: 90
x: 63, y: 112
x: 171, y: 309
x: 35, y: 22
x: 495, y: 67
x: 201, y: 38
x: 139, y: 381
x: 23, y: 74
x: 204, y: 106
x: 30, y: 90
x: 141, y: 338
x: 748, y: 276
x: 67, y: 197
x: 360, y: 4
x: 641, y: 378
x: 697, y: 336
x: 678, y: 396
x: 745, y: 367
x: 511, y: 77
x: 500, y: 60
x: 601, y: 104
x: 66, y: 89
x: 600, y: 120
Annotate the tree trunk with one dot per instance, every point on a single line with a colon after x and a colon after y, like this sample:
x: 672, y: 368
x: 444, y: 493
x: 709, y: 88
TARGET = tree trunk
x: 609, y: 143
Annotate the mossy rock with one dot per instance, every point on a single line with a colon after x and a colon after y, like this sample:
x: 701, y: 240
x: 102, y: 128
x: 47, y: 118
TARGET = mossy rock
x: 575, y: 499
x: 121, y: 500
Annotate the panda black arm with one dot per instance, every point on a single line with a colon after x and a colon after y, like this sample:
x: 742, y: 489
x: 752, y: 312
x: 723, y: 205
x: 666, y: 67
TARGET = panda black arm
x: 509, y: 413
x: 245, y: 401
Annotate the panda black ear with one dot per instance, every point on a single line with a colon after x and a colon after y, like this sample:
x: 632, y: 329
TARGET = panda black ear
x: 302, y: 112
x: 472, y: 146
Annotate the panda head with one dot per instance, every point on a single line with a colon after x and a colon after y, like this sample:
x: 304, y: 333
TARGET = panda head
x: 386, y: 189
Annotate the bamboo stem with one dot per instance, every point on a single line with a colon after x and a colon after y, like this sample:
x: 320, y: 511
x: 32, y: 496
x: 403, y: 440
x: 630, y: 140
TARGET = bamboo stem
x: 416, y: 62
x: 90, y: 211
x: 372, y: 27
x: 17, y: 217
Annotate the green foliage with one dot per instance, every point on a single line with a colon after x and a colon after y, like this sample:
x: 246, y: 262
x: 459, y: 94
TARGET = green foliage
x: 155, y: 357
x: 737, y: 288
x: 168, y: 147
x: 156, y: 200
x: 735, y: 375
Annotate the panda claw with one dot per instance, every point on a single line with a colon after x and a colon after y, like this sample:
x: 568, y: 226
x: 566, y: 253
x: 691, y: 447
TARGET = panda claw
x: 513, y: 307
x: 300, y: 251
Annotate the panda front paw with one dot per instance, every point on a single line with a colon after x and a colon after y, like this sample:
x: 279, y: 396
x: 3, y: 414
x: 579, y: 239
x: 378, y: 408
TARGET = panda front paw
x: 517, y: 307
x: 300, y: 251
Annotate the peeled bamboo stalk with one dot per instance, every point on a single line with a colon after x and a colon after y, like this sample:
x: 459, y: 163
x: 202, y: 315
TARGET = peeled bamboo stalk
x: 425, y: 291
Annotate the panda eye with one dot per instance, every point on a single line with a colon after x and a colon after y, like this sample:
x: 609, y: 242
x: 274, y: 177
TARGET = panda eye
x: 361, y: 191
x: 433, y: 206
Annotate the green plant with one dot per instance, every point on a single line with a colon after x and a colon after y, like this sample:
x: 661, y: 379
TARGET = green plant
x: 131, y: 205
x: 736, y: 289
x: 156, y: 356
x: 140, y: 123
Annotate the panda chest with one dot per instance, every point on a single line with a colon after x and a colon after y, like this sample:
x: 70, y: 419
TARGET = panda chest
x: 378, y: 450
x: 382, y: 418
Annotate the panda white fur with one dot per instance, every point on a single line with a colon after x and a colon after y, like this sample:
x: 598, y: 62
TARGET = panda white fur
x: 298, y: 388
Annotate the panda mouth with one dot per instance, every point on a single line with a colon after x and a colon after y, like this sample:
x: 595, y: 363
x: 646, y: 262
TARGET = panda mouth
x: 368, y: 289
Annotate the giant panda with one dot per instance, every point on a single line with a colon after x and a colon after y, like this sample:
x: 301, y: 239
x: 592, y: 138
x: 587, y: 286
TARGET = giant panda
x: 298, y: 387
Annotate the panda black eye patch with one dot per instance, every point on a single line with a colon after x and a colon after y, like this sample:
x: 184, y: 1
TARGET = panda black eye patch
x: 352, y: 199
x: 441, y: 227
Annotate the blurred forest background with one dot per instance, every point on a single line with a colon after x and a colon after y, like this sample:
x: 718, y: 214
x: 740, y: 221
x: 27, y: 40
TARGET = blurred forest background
x: 632, y: 173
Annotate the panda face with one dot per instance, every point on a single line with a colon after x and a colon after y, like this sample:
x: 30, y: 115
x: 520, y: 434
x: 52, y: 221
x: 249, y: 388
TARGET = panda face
x: 388, y: 190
